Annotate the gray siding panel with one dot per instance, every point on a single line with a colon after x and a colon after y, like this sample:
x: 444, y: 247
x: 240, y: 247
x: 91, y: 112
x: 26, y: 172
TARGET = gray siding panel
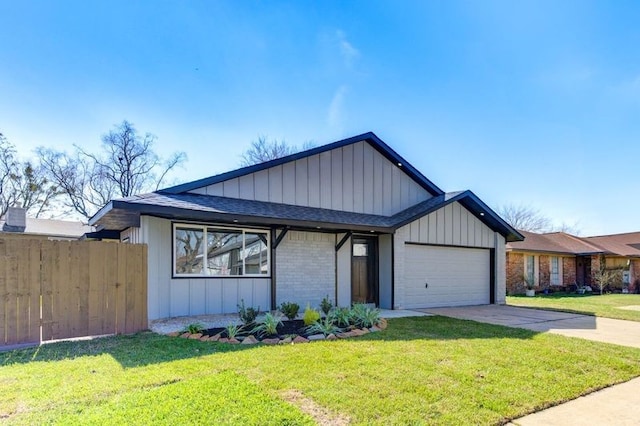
x: 289, y: 183
x: 449, y: 226
x: 246, y: 188
x: 302, y: 183
x: 347, y: 178
x: 325, y: 180
x: 336, y: 179
x: 354, y: 178
x: 275, y: 184
x: 313, y: 171
x: 231, y: 188
x: 358, y: 178
x: 261, y: 182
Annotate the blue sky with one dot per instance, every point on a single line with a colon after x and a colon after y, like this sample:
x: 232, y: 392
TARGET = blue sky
x: 522, y: 102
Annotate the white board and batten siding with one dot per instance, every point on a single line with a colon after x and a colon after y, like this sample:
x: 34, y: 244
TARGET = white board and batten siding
x: 172, y: 297
x: 450, y: 254
x: 338, y: 180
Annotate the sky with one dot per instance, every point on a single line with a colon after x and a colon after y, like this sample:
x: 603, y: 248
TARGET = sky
x: 528, y: 102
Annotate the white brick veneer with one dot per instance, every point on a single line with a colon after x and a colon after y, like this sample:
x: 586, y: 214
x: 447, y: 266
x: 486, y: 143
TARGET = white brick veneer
x: 305, y: 268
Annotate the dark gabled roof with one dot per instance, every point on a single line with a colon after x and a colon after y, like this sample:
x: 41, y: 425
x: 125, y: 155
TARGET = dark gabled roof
x: 369, y: 137
x: 120, y: 214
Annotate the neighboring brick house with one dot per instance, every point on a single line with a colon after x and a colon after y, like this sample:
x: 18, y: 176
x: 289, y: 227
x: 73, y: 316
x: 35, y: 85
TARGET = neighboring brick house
x: 560, y: 260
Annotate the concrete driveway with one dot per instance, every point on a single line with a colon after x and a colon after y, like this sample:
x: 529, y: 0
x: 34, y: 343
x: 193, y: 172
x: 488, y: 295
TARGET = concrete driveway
x: 625, y: 333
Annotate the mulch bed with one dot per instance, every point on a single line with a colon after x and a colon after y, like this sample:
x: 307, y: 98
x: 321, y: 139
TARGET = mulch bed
x: 287, y: 328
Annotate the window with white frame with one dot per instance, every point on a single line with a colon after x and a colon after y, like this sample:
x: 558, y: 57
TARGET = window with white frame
x: 554, y: 270
x: 201, y: 250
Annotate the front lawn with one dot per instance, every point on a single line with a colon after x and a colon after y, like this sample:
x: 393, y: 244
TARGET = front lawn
x: 607, y: 305
x: 423, y: 370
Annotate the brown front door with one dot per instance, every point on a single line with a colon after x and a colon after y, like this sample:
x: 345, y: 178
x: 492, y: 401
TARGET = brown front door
x: 364, y: 270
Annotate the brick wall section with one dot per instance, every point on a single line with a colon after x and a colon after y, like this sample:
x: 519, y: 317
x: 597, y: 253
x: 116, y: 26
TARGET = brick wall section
x: 568, y: 271
x: 544, y: 275
x: 306, y: 268
x: 515, y: 272
x: 595, y: 267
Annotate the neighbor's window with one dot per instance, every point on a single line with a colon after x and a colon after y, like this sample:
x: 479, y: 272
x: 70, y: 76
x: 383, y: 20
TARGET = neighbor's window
x: 530, y: 268
x: 209, y: 251
x: 555, y: 271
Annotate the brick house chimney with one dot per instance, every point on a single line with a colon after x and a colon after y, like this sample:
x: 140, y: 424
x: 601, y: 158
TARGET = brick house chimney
x: 15, y: 220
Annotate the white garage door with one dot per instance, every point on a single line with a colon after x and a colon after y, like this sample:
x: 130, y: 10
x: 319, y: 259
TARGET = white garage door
x: 446, y: 276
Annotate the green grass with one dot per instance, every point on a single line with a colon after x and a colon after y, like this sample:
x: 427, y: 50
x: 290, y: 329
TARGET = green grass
x: 424, y: 370
x: 607, y: 305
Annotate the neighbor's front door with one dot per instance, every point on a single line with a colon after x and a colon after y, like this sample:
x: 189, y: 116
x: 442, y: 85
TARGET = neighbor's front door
x: 364, y: 270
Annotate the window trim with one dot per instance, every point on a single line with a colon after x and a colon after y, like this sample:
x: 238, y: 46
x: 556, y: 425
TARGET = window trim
x: 204, y: 228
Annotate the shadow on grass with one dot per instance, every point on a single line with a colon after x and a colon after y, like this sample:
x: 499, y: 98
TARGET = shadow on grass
x: 146, y: 348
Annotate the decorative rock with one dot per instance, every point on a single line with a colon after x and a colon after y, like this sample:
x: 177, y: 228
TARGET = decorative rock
x: 271, y: 341
x: 233, y: 341
x: 316, y: 337
x: 214, y: 338
x: 375, y: 328
x: 286, y: 340
x: 174, y: 334
x: 344, y: 335
x: 355, y: 333
x: 249, y: 340
x: 223, y: 340
x: 196, y: 336
x: 364, y: 331
x: 331, y: 337
x: 382, y: 323
x: 300, y: 339
x: 204, y: 338
x: 185, y: 335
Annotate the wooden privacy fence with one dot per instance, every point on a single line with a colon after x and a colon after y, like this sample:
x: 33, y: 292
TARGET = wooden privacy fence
x: 62, y: 289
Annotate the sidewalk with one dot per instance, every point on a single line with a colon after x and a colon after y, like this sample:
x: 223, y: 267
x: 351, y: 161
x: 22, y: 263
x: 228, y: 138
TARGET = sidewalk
x: 617, y: 405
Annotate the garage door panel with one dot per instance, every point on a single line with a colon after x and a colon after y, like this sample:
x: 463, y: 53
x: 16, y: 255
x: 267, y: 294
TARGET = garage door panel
x: 455, y: 276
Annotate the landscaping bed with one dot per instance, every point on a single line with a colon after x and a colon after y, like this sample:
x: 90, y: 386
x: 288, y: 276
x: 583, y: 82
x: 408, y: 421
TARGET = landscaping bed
x: 283, y: 326
x: 293, y: 331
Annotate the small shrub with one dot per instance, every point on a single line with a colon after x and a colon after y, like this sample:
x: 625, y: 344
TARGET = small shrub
x: 269, y: 325
x: 325, y: 327
x: 232, y: 330
x: 341, y: 317
x: 310, y: 316
x: 290, y: 309
x: 363, y: 316
x: 326, y: 305
x: 194, y: 328
x: 247, y: 315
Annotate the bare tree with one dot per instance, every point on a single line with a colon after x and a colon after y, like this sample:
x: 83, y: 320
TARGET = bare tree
x: 525, y: 218
x: 263, y: 150
x: 34, y: 191
x: 9, y: 170
x: 22, y: 183
x: 126, y: 165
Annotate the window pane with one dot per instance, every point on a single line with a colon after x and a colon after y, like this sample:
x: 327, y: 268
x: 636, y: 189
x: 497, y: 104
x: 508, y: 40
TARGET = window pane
x: 359, y: 249
x: 530, y: 268
x: 189, y: 251
x: 256, y: 260
x: 223, y: 252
